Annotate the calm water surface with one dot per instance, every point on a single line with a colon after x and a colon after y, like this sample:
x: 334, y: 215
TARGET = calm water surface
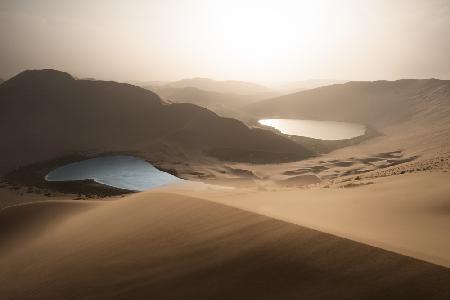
x: 120, y: 171
x: 323, y: 130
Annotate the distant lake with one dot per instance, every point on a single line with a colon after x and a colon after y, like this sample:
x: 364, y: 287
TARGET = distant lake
x: 120, y: 171
x: 323, y: 130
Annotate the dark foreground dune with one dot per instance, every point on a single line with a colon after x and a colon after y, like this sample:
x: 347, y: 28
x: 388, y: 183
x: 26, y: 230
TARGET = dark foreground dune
x: 166, y: 246
x: 21, y: 223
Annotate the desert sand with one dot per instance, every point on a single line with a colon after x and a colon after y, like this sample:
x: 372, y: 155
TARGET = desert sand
x: 168, y: 246
x: 407, y: 214
x: 224, y: 149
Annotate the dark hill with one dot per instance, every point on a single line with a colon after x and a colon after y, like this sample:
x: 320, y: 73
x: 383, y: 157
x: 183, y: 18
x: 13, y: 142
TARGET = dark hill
x: 47, y: 114
x: 224, y: 104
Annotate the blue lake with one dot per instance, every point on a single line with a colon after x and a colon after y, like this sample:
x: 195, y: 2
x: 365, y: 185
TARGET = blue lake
x: 120, y: 171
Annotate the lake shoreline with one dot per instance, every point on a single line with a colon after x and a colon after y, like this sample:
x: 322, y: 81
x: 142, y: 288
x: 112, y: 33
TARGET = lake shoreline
x: 316, y: 129
x: 32, y: 178
x: 119, y: 171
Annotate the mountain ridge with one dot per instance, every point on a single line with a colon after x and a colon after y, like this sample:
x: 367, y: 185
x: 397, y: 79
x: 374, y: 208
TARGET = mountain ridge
x: 47, y: 114
x: 377, y: 103
x: 221, y: 86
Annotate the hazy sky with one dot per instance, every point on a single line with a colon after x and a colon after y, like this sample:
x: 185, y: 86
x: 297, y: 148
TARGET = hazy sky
x: 277, y: 40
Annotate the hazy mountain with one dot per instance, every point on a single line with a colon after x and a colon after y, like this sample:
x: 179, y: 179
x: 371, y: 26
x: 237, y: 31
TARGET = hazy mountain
x: 225, y: 104
x: 297, y: 86
x: 228, y: 86
x: 378, y: 103
x: 152, y: 83
x: 46, y: 114
x: 1, y: 81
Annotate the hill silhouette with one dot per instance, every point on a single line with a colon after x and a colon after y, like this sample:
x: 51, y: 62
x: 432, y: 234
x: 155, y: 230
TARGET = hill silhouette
x: 378, y: 103
x: 224, y: 104
x: 227, y: 86
x: 46, y: 114
x: 297, y: 86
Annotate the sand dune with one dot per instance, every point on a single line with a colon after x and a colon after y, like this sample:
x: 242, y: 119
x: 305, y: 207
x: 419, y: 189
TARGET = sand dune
x: 297, y: 86
x: 21, y: 224
x: 408, y: 214
x: 225, y: 189
x: 378, y: 104
x: 167, y: 246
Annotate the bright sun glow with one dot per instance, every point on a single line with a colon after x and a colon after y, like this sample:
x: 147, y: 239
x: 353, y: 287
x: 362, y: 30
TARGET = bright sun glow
x: 250, y: 40
x: 257, y: 34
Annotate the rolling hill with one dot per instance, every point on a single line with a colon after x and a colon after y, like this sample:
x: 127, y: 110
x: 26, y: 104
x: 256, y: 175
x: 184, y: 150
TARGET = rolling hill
x: 226, y: 86
x: 378, y: 104
x: 224, y: 104
x: 297, y: 86
x: 46, y: 114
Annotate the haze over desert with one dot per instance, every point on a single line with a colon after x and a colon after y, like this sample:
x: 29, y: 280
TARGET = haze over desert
x: 224, y: 149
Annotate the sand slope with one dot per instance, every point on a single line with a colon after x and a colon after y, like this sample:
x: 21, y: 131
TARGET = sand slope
x: 21, y: 224
x: 165, y: 246
x: 378, y: 103
x: 408, y: 214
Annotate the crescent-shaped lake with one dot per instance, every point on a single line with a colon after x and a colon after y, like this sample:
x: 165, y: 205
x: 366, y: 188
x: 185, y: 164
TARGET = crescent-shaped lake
x: 120, y: 171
